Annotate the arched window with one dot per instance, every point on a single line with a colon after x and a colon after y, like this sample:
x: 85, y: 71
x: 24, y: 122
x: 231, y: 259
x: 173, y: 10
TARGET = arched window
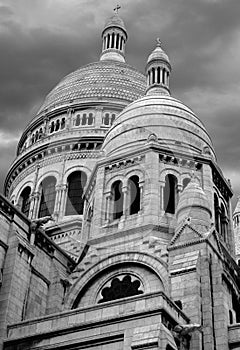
x: 230, y: 317
x: 108, y: 41
x: 113, y: 39
x: 117, y: 200
x: 77, y: 123
x: 36, y: 136
x: 57, y: 126
x: 32, y: 139
x: 185, y: 182
x: 158, y: 75
x: 90, y: 119
x: 121, y: 287
x: 223, y: 222
x: 164, y: 70
x: 25, y: 200
x: 62, y: 123
x: 84, y: 119
x: 153, y: 75
x: 117, y: 47
x: 40, y: 133
x: 134, y: 194
x: 52, y: 127
x: 113, y: 118
x: 106, y: 119
x: 47, y: 197
x: 75, y: 201
x: 216, y: 212
x: 170, y: 194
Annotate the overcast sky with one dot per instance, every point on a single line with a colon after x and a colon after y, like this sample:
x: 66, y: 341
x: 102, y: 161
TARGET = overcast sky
x: 43, y: 40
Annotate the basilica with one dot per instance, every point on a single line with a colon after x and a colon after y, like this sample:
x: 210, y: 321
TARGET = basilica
x: 116, y: 226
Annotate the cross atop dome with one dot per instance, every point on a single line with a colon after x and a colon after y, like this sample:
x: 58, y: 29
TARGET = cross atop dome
x: 159, y: 43
x: 116, y: 9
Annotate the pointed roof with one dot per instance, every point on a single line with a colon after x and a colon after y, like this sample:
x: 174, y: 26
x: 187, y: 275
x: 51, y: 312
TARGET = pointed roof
x: 193, y: 195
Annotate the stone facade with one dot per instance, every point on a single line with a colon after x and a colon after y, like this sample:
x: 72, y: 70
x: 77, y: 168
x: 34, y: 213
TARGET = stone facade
x: 118, y: 232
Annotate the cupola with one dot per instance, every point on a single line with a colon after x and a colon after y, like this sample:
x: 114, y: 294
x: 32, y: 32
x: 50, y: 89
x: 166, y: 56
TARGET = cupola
x: 114, y: 37
x: 158, y: 71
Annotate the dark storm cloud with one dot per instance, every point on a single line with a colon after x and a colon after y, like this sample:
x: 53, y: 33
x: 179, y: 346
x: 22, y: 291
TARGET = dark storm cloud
x: 43, y: 40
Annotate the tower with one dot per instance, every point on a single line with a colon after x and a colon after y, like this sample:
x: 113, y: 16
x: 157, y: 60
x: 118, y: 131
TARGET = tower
x: 141, y: 251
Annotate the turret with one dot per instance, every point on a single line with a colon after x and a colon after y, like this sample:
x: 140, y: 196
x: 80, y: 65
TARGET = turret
x: 158, y: 71
x: 114, y: 37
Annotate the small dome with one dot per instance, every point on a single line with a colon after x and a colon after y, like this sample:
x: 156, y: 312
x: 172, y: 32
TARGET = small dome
x: 176, y: 127
x: 193, y: 204
x: 99, y: 81
x: 158, y: 54
x: 115, y: 21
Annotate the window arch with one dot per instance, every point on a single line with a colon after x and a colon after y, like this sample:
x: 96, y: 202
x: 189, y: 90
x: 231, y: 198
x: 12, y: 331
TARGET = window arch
x: 84, y: 119
x: 48, y: 196
x: 216, y: 212
x: 121, y: 287
x: 75, y: 201
x: 62, y: 123
x: 134, y: 191
x: 170, y: 194
x: 113, y: 118
x: 90, y: 119
x: 25, y: 200
x: 117, y: 196
x: 223, y: 222
x: 106, y: 119
x: 77, y: 123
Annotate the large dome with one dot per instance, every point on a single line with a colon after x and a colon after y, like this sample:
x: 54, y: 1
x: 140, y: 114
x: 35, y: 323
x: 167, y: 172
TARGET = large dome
x: 103, y: 80
x: 174, y: 124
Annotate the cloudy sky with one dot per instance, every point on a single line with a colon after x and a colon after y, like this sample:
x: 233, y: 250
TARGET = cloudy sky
x: 43, y: 40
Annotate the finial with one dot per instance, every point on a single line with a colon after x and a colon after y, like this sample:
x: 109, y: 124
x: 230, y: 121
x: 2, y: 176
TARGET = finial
x: 116, y: 9
x: 159, y: 43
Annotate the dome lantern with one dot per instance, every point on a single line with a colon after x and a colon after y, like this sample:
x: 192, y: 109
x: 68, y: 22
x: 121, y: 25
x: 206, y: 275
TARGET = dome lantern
x: 158, y: 71
x: 114, y: 37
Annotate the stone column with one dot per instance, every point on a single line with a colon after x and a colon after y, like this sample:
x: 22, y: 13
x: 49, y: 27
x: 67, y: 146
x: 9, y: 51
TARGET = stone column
x: 126, y: 204
x: 162, y: 185
x: 46, y: 126
x: 34, y: 205
x: 62, y: 200
x: 69, y: 118
x: 108, y: 207
x: 141, y: 183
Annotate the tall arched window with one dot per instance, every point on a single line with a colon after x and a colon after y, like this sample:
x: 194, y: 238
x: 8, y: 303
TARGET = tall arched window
x: 47, y: 197
x: 223, y: 221
x: 90, y: 119
x: 117, y: 200
x: 77, y: 123
x: 24, y: 200
x: 75, y: 201
x: 170, y: 194
x: 134, y: 194
x: 216, y: 212
x: 84, y: 119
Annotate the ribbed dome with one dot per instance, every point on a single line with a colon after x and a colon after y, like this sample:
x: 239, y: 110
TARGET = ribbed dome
x: 115, y: 21
x: 174, y: 124
x: 104, y: 80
